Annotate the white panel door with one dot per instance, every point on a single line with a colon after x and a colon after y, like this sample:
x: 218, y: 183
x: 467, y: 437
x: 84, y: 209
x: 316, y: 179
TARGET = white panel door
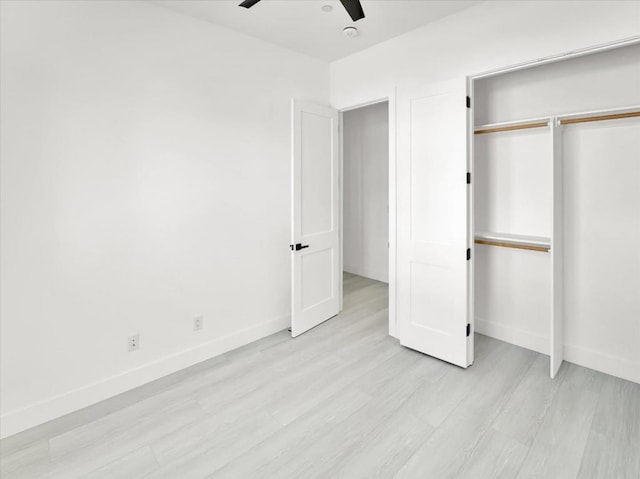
x: 433, y: 221
x: 315, y: 248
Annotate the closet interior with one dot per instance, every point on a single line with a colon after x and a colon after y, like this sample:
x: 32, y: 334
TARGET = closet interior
x: 556, y: 209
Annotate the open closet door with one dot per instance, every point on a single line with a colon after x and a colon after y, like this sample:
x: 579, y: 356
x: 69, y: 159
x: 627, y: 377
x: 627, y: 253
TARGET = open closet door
x: 433, y: 221
x: 315, y: 233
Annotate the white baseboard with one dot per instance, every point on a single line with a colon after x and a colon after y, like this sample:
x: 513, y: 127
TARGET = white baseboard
x: 519, y: 337
x: 588, y: 358
x: 38, y: 413
x: 378, y: 275
x: 621, y: 368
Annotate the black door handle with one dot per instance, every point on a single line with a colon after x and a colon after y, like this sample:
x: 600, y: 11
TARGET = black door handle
x: 298, y: 246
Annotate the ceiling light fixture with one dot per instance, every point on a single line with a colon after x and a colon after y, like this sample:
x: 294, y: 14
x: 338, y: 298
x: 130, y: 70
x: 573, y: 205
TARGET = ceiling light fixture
x: 350, y: 32
x: 326, y: 8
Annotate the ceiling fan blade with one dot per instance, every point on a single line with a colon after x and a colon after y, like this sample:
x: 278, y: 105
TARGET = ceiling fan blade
x: 248, y: 3
x: 353, y: 8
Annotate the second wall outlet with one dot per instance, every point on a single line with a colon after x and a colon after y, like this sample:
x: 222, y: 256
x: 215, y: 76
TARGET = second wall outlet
x: 134, y: 342
x: 198, y: 323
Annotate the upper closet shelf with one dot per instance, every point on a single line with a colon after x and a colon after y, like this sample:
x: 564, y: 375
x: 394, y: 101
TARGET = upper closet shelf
x: 512, y: 125
x: 600, y: 115
x: 564, y: 119
x: 533, y: 243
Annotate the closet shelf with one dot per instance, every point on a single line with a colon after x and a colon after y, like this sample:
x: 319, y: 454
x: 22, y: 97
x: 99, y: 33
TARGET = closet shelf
x: 512, y: 125
x: 590, y: 117
x: 506, y: 240
x: 565, y: 119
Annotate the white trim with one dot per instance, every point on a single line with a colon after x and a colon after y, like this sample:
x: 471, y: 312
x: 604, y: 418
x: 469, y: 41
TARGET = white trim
x: 471, y: 307
x: 393, y: 228
x: 556, y: 58
x: 341, y: 207
x: 364, y: 105
x: 588, y: 358
x: 42, y: 411
x: 615, y: 366
x: 556, y: 276
x: 509, y: 334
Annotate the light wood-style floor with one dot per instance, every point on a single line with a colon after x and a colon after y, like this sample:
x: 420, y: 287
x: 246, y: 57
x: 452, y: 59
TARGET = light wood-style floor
x: 346, y: 400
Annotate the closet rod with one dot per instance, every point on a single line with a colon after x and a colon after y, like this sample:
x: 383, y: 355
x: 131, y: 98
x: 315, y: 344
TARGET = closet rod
x: 544, y: 249
x: 523, y: 126
x: 586, y: 119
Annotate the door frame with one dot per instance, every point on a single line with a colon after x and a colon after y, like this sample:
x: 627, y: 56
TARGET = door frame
x: 390, y: 99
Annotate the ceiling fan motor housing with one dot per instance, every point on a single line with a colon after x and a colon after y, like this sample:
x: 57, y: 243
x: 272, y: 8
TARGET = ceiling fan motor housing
x: 353, y: 7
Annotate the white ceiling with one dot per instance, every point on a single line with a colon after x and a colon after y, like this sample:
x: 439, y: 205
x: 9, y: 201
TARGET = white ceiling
x: 302, y: 26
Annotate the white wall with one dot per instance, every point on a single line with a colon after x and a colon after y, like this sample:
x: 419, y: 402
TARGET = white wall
x: 366, y: 191
x: 604, y: 80
x: 602, y: 239
x: 491, y: 36
x: 145, y: 180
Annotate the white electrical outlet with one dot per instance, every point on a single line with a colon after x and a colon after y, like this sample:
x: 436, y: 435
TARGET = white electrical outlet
x: 134, y: 342
x: 198, y: 323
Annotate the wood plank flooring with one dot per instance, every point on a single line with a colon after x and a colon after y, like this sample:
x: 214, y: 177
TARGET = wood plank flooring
x: 345, y: 400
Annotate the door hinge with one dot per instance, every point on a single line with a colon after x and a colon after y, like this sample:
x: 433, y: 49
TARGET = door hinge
x: 468, y: 254
x: 468, y: 178
x: 468, y: 102
x: 468, y: 330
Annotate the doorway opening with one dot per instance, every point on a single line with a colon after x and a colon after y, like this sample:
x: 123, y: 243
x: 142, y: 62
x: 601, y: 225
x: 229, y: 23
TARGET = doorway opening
x: 365, y: 204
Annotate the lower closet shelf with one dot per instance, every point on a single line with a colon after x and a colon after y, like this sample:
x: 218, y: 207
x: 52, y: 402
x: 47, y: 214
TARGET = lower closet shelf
x: 506, y: 240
